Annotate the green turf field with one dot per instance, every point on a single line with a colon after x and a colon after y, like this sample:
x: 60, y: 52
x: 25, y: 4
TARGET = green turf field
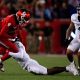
x: 14, y: 71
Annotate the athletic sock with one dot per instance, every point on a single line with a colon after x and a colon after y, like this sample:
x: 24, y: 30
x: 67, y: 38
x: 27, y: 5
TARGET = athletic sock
x: 70, y: 57
x: 56, y: 70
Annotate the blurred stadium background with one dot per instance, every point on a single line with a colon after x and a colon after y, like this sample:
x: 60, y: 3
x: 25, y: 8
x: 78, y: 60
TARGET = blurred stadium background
x: 45, y: 35
x: 50, y: 19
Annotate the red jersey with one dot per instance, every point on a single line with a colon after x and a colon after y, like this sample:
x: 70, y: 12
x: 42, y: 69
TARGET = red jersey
x: 8, y: 27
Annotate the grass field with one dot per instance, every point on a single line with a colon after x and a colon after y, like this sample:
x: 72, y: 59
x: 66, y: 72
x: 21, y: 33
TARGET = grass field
x: 14, y: 72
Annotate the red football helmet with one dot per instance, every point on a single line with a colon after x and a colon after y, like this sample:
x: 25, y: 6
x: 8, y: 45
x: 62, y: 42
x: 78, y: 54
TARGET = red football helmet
x: 23, y: 15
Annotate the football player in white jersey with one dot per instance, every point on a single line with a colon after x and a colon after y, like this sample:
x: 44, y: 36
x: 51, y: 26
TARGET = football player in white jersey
x: 75, y: 43
x: 33, y: 66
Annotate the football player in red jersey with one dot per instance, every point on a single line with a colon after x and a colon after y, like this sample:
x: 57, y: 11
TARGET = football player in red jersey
x: 9, y: 30
x: 9, y: 27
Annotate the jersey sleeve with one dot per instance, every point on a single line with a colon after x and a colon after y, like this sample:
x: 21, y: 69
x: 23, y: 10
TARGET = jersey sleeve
x: 3, y: 29
x: 24, y: 24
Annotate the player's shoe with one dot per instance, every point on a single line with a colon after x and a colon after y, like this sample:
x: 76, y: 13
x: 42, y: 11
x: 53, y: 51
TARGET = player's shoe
x: 72, y: 68
x: 1, y: 67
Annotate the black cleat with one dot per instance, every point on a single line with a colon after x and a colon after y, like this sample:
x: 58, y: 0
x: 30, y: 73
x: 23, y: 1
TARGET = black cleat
x: 1, y: 67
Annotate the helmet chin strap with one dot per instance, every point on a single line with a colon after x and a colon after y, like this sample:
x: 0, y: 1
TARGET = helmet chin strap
x: 22, y: 21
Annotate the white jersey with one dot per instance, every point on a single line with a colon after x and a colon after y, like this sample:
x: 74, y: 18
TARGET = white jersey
x: 27, y: 63
x: 74, y: 19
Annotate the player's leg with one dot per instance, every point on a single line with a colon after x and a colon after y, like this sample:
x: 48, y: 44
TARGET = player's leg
x: 10, y: 45
x: 4, y: 57
x: 78, y: 56
x: 55, y: 70
x: 17, y: 50
x: 13, y: 48
x: 69, y: 55
x: 34, y: 67
x: 73, y: 46
x: 19, y: 54
x: 4, y: 52
x: 8, y: 54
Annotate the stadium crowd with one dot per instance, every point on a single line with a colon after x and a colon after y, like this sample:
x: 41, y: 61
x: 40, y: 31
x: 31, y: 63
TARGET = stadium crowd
x: 43, y: 8
x: 47, y: 10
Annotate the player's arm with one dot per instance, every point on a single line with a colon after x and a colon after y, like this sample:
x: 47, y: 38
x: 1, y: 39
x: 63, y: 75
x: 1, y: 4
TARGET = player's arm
x: 69, y: 30
x: 3, y: 31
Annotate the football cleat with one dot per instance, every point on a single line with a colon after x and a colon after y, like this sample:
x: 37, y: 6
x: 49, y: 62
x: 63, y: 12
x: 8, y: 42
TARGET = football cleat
x: 1, y: 67
x: 72, y: 69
